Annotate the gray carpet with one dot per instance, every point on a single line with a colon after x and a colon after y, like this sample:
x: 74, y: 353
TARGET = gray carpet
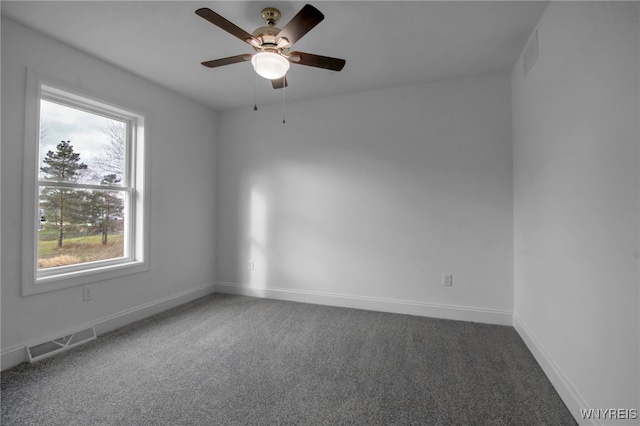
x: 228, y: 360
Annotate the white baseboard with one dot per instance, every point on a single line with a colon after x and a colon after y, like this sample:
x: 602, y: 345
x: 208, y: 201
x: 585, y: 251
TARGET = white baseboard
x: 563, y: 386
x: 461, y: 313
x: 16, y: 354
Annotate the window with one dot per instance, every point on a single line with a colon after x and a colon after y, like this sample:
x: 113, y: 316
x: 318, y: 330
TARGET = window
x: 84, y: 189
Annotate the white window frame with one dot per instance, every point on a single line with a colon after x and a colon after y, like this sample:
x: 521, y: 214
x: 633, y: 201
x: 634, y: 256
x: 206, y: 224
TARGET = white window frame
x: 35, y: 280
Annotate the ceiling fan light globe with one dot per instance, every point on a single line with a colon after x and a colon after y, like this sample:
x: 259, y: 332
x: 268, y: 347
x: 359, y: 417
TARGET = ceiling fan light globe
x: 270, y: 65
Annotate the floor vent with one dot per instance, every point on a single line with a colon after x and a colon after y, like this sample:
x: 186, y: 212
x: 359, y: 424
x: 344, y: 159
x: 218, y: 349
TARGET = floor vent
x: 46, y: 349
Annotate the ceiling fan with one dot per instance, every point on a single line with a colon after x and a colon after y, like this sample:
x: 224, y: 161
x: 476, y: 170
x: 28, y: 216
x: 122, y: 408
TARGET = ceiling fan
x: 272, y: 44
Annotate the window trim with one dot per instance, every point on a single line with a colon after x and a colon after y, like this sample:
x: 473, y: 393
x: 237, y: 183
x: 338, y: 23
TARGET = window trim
x: 41, y: 87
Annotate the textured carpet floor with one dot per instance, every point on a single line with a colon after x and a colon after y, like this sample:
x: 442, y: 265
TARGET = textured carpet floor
x: 227, y: 360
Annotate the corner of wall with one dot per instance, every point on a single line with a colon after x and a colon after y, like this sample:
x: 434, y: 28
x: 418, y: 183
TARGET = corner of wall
x: 558, y: 379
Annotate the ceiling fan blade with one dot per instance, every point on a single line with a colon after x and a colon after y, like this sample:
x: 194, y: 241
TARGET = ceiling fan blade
x: 302, y: 23
x: 317, y: 61
x: 280, y: 83
x: 226, y: 25
x: 227, y: 61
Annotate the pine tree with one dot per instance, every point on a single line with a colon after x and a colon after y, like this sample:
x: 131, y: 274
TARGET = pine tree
x: 63, y: 165
x: 103, y: 208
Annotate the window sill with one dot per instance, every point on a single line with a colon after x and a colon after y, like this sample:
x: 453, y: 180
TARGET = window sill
x: 77, y: 278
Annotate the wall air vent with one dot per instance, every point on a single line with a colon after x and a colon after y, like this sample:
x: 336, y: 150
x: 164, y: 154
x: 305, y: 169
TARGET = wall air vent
x: 530, y: 53
x: 51, y: 347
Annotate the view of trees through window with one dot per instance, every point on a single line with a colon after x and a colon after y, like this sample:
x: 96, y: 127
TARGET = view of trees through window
x: 82, y: 191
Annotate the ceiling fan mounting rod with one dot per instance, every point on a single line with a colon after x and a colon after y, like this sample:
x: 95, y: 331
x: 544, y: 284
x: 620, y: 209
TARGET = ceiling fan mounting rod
x: 271, y: 16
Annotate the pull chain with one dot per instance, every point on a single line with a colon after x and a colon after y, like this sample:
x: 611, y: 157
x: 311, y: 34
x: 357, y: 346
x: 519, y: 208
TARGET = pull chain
x: 284, y: 88
x: 255, y: 92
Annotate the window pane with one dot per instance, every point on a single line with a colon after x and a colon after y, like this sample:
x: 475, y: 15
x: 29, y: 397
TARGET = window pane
x: 79, y: 146
x: 79, y: 226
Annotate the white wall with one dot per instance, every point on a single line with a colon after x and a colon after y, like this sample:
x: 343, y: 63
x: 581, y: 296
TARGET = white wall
x: 182, y: 144
x: 576, y: 195
x: 366, y: 199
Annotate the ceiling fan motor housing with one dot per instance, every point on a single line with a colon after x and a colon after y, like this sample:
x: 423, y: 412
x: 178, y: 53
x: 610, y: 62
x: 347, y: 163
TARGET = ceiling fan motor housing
x: 268, y: 35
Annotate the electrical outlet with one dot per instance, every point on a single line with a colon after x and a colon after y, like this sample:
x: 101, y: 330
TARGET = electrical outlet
x: 447, y: 280
x: 87, y: 294
x: 251, y: 265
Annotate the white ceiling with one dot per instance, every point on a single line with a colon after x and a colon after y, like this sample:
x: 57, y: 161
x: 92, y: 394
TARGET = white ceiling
x: 385, y: 44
